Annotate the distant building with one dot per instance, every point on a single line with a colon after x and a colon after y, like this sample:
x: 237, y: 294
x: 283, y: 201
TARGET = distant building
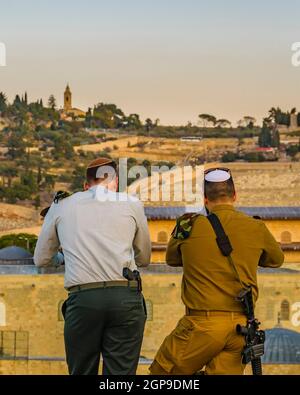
x: 294, y: 122
x: 68, y: 109
x: 282, y: 346
x: 15, y: 256
x: 293, y: 125
x: 67, y: 99
x: 269, y: 153
x: 283, y: 223
x: 191, y: 138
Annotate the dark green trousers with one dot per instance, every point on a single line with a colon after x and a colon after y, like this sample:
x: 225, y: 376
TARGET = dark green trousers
x: 107, y: 321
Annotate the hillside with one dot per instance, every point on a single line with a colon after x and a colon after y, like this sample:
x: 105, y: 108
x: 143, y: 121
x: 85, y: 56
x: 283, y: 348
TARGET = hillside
x: 14, y: 216
x: 257, y: 184
x: 169, y: 149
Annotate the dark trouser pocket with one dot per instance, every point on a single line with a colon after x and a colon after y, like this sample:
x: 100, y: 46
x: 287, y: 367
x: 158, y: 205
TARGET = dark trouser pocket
x: 63, y: 309
x: 145, y: 307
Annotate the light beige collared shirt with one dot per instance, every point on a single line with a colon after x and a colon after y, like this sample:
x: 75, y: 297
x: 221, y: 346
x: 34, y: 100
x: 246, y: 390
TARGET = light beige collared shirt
x: 100, y: 233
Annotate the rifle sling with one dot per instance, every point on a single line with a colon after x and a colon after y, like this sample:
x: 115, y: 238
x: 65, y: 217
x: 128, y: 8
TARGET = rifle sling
x: 223, y: 243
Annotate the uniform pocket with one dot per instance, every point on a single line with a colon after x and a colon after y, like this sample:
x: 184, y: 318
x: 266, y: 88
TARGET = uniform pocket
x: 133, y: 304
x: 166, y: 363
x: 175, y: 345
x: 184, y: 329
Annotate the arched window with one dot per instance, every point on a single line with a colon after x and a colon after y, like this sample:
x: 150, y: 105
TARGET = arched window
x: 2, y: 313
x: 149, y: 307
x: 285, y: 311
x: 162, y: 237
x: 286, y: 237
x: 59, y: 311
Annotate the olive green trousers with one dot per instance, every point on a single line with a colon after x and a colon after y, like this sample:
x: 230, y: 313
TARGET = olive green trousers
x: 104, y: 321
x: 208, y: 341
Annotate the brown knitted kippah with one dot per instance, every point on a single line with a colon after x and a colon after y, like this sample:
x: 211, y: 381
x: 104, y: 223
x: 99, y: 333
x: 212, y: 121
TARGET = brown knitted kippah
x: 100, y: 162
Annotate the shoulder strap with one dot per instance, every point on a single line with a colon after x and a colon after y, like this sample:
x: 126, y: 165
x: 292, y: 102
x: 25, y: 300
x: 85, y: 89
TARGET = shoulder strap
x: 60, y: 195
x: 222, y: 239
x: 223, y: 243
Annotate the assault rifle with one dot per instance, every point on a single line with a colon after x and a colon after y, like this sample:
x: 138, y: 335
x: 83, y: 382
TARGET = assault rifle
x: 255, y: 338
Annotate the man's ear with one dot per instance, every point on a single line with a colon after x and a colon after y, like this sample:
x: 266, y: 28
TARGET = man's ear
x: 85, y: 186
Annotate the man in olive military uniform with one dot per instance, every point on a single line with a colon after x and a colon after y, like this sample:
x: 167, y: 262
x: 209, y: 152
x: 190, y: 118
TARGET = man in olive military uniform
x: 206, y: 336
x: 101, y: 233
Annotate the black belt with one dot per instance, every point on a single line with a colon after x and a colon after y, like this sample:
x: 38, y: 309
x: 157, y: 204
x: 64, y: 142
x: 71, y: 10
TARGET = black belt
x: 103, y: 284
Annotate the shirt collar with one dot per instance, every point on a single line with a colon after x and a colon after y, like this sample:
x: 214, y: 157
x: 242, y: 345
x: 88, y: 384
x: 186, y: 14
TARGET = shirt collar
x: 221, y: 207
x: 99, y: 187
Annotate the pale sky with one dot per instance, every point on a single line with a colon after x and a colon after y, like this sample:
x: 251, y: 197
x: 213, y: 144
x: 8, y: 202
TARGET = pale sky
x: 166, y: 59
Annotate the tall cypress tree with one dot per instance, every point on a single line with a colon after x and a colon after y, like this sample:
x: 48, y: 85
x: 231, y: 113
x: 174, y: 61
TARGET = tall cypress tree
x: 275, y: 138
x: 265, y: 136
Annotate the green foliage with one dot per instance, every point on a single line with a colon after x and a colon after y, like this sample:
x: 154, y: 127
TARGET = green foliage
x: 275, y: 138
x: 269, y: 136
x: 29, y: 180
x: 78, y: 178
x: 223, y: 123
x: 293, y: 150
x: 65, y: 178
x: 8, y: 173
x: 52, y: 102
x: 254, y: 157
x: 3, y: 102
x: 279, y: 117
x: 16, y: 145
x: 37, y: 201
x: 23, y: 240
x: 15, y: 193
x: 132, y: 122
x: 229, y: 157
x: 107, y: 116
x: 165, y: 163
x: 49, y: 180
x: 148, y: 124
x: 207, y: 119
x: 63, y: 148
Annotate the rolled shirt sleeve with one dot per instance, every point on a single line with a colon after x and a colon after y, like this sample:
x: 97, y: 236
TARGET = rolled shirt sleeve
x: 272, y: 255
x: 48, y: 242
x: 173, y: 254
x: 141, y: 242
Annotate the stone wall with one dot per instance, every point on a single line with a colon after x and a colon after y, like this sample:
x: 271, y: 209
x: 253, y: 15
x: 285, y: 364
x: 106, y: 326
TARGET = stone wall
x: 276, y: 227
x: 32, y: 305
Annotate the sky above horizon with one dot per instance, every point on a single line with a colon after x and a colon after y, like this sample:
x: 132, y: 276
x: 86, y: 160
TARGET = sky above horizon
x: 166, y: 59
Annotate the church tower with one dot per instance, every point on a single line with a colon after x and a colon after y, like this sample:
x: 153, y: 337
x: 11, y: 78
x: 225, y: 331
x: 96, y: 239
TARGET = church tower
x: 67, y: 99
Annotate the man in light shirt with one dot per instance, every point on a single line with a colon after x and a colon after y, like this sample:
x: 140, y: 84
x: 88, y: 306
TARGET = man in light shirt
x: 101, y: 233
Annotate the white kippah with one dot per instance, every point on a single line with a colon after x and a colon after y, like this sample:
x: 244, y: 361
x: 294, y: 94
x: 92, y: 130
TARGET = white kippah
x: 217, y: 176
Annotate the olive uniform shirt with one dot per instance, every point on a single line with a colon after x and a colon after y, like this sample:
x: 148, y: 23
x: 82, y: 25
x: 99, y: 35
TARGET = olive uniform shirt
x: 209, y: 282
